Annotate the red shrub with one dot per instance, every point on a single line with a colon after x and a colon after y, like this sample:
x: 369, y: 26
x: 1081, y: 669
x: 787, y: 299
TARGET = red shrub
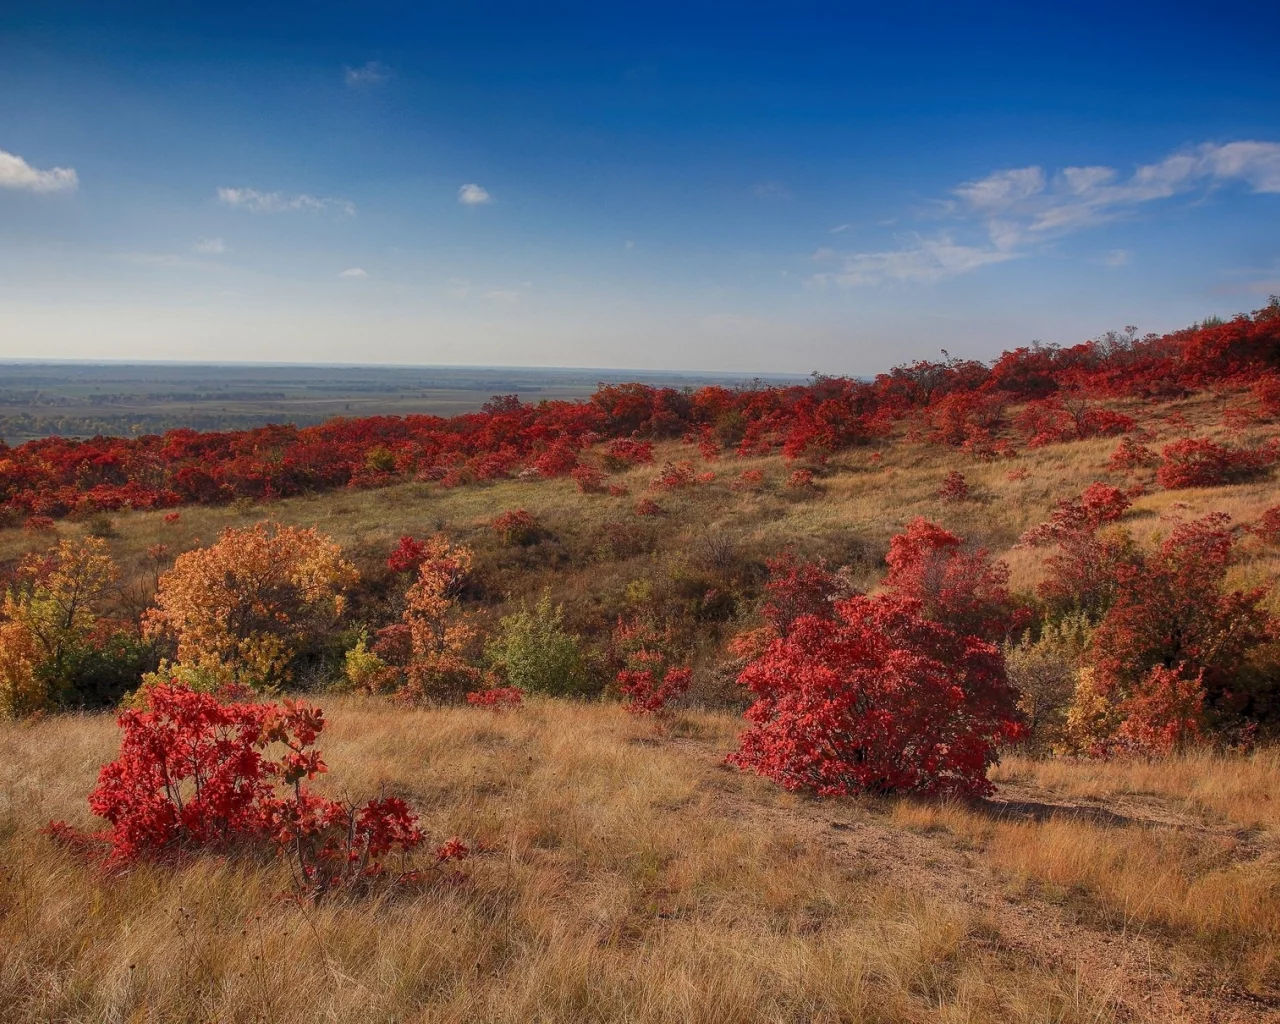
x: 1171, y: 609
x: 967, y: 592
x: 619, y: 490
x: 516, y: 526
x: 407, y: 555
x: 954, y: 488
x: 748, y: 480
x: 675, y: 476
x: 498, y: 698
x: 1096, y: 505
x: 199, y: 771
x: 877, y: 699
x: 1197, y: 462
x: 800, y: 480
x: 796, y: 589
x: 648, y: 507
x: 650, y: 678
x: 625, y: 452
x: 589, y: 479
x: 172, y: 517
x: 1164, y: 712
x: 557, y: 460
x: 39, y: 524
x: 1267, y: 528
x: 1266, y: 391
x: 1130, y: 455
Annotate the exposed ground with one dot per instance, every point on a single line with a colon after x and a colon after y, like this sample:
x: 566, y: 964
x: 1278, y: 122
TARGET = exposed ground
x: 630, y: 876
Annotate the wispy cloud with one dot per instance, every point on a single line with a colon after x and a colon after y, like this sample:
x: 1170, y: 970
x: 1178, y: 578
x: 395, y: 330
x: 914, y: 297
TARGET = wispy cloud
x: 474, y: 195
x: 1006, y: 214
x: 923, y: 261
x: 210, y: 246
x: 16, y: 173
x: 1117, y: 258
x: 354, y: 272
x: 280, y: 202
x: 372, y: 73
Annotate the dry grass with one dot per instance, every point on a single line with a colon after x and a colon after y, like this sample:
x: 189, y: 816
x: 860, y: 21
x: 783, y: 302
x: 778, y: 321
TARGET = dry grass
x: 620, y: 887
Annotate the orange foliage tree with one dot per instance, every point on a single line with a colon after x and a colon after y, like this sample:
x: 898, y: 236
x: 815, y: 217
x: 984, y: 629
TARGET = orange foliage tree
x: 439, y: 638
x: 241, y: 609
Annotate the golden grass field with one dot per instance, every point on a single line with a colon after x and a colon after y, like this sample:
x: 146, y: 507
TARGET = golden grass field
x: 628, y: 874
x: 631, y: 877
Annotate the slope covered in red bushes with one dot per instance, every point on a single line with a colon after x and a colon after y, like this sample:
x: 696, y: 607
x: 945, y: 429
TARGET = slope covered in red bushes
x: 961, y: 401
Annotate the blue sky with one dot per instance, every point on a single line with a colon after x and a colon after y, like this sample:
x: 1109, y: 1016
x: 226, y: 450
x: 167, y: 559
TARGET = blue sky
x: 743, y: 187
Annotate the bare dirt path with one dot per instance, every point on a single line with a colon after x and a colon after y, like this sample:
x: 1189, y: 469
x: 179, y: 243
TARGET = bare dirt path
x: 1125, y: 966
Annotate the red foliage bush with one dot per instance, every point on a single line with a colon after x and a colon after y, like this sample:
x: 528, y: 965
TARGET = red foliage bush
x: 648, y: 507
x: 1171, y: 610
x: 1097, y: 504
x: 516, y: 526
x: 589, y: 479
x: 199, y: 771
x: 558, y: 460
x: 877, y: 699
x: 1130, y: 455
x: 675, y: 476
x: 172, y: 517
x: 498, y: 698
x: 800, y: 480
x: 965, y: 591
x: 796, y: 589
x: 1197, y: 462
x: 626, y: 452
x: 748, y: 480
x: 407, y: 555
x: 39, y: 524
x: 1164, y: 712
x: 1266, y: 392
x: 650, y: 678
x: 1267, y: 528
x: 954, y: 488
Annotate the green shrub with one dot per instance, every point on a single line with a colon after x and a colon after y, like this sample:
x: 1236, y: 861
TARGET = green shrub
x: 536, y: 653
x: 1045, y: 671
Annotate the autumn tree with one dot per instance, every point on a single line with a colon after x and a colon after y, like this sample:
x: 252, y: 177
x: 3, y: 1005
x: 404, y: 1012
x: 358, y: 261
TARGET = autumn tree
x: 48, y: 617
x: 438, y: 639
x: 241, y: 609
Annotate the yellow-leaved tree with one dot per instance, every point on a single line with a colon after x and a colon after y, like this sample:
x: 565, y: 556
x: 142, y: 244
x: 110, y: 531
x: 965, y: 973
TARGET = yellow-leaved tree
x: 46, y: 619
x: 241, y: 609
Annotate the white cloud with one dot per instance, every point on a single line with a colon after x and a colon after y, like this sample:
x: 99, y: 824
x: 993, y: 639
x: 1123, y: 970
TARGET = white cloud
x: 210, y: 246
x: 840, y: 229
x: 924, y: 261
x: 18, y: 174
x: 631, y: 244
x: 1078, y: 197
x: 474, y: 195
x: 372, y: 73
x: 505, y: 296
x: 1019, y: 208
x: 280, y: 202
x: 357, y: 272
